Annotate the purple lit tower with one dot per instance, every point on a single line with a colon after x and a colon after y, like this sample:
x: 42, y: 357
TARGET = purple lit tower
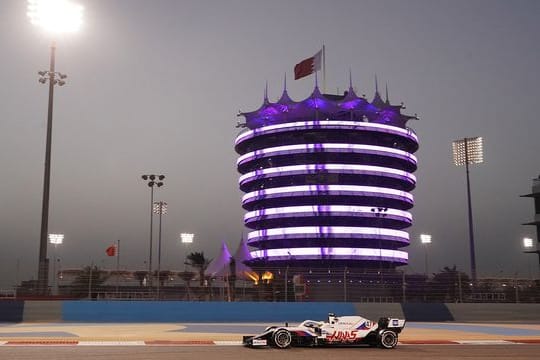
x: 327, y: 181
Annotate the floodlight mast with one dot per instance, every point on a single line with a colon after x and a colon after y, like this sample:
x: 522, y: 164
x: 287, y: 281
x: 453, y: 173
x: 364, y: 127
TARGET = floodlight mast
x: 425, y: 239
x: 160, y: 208
x: 469, y: 151
x: 58, y: 16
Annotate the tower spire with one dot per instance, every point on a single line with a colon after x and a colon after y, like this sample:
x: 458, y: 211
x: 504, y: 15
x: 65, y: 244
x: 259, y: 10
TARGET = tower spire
x: 387, y: 98
x: 266, y: 92
x: 285, y: 83
x: 350, y: 79
x: 377, y: 100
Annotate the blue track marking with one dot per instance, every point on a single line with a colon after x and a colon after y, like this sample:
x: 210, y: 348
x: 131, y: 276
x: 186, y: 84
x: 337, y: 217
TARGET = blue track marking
x: 39, y: 334
x: 223, y: 328
x: 491, y: 330
x: 62, y: 324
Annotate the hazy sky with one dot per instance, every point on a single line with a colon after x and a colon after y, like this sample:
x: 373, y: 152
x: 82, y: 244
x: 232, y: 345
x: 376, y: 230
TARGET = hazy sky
x: 155, y: 86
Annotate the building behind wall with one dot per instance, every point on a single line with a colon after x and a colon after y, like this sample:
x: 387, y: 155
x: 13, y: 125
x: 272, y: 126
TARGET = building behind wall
x: 327, y: 181
x: 535, y: 194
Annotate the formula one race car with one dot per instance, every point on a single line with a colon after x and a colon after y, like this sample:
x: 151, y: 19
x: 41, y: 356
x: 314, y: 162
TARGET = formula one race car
x: 337, y: 331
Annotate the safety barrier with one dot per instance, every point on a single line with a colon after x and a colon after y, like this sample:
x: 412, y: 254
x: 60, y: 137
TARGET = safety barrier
x: 183, y: 311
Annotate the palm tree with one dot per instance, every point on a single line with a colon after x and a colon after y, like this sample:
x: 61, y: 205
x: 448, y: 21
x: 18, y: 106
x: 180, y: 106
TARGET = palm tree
x: 450, y: 285
x: 187, y: 276
x: 199, y: 262
x: 90, y: 278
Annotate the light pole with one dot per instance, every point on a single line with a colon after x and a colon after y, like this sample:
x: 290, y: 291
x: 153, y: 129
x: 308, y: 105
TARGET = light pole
x: 152, y: 181
x: 55, y: 239
x: 160, y: 208
x: 469, y: 151
x: 425, y: 239
x: 186, y: 238
x: 528, y: 244
x: 57, y: 17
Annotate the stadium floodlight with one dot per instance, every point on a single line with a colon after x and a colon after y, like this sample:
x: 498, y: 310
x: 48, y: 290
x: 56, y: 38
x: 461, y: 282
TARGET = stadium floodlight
x: 149, y: 178
x: 425, y: 239
x: 55, y: 16
x: 186, y: 238
x: 160, y: 208
x: 469, y: 151
x: 528, y: 243
x: 56, y: 239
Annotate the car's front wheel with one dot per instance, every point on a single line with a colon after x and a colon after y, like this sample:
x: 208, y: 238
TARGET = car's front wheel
x: 282, y: 338
x: 388, y: 339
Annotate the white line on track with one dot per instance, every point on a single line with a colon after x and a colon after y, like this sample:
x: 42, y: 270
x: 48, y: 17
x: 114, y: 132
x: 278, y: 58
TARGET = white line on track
x: 484, y: 342
x: 227, y: 343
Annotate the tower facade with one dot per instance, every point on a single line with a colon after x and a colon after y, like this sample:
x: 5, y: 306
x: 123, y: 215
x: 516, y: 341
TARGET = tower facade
x: 535, y: 194
x: 327, y: 181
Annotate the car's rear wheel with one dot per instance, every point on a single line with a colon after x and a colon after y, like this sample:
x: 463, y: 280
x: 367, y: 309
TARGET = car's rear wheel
x: 282, y: 338
x: 388, y: 339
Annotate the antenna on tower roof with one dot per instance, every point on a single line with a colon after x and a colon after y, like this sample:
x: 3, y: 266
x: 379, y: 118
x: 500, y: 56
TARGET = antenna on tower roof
x: 266, y: 92
x: 285, y: 83
x: 376, y: 85
x: 350, y: 79
x: 387, y: 99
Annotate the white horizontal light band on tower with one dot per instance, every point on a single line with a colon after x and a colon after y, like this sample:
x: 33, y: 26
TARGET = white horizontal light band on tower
x: 328, y: 210
x: 331, y: 168
x: 330, y: 147
x: 325, y: 124
x: 324, y: 252
x: 327, y: 190
x: 327, y: 232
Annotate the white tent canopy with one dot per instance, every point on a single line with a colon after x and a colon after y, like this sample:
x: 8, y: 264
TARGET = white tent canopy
x: 220, y: 262
x: 220, y: 266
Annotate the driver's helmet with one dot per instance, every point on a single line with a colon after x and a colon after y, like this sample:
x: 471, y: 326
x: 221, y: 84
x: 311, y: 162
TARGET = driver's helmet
x: 332, y: 318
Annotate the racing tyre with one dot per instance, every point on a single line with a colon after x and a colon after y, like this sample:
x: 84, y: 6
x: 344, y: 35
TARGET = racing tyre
x: 388, y: 339
x: 282, y: 339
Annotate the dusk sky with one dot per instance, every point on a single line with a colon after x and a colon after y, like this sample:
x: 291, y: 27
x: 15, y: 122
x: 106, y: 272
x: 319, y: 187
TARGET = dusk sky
x: 155, y: 86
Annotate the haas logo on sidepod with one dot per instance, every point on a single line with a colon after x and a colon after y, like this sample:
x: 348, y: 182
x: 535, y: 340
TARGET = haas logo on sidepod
x: 342, y: 336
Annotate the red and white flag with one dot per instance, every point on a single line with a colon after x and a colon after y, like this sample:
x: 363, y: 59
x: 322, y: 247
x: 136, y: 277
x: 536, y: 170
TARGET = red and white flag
x: 111, y: 250
x: 308, y: 66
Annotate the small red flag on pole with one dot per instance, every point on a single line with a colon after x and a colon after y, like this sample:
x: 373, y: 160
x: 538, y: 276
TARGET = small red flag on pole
x: 111, y: 250
x: 308, y: 66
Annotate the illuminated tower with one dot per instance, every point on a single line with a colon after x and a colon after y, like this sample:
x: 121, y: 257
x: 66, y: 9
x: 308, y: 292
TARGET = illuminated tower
x: 327, y: 181
x: 535, y: 194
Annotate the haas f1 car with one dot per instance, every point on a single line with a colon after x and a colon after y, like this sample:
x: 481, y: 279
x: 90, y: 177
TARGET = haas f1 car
x: 337, y: 331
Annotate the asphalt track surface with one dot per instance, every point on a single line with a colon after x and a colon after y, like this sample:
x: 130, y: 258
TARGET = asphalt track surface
x: 412, y: 352
x: 163, y: 341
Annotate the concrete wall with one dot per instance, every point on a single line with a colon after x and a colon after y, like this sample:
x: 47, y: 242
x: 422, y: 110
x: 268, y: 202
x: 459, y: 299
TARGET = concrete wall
x: 11, y: 310
x: 49, y: 311
x: 180, y: 311
x: 495, y: 312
